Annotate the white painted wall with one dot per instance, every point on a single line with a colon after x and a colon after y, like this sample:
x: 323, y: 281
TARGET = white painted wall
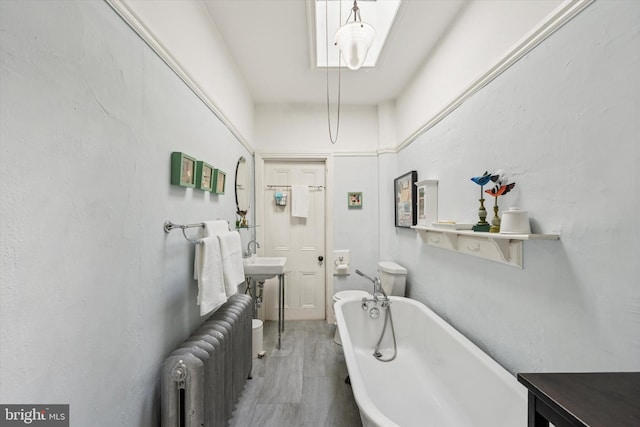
x: 93, y: 293
x: 301, y: 128
x: 185, y: 31
x: 486, y: 32
x: 563, y: 121
x: 387, y: 130
x: 356, y: 229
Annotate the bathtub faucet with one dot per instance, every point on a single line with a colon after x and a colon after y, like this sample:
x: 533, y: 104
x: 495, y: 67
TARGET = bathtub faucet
x: 378, y: 291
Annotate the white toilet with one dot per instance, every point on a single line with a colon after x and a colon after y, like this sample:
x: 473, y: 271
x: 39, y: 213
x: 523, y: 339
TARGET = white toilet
x: 393, y: 278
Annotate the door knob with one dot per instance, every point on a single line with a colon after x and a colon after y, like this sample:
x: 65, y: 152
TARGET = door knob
x: 320, y: 258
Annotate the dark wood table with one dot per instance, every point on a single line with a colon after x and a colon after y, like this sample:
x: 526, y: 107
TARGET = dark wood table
x: 594, y: 399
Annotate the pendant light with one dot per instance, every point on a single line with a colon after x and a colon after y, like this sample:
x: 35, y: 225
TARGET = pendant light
x: 353, y: 40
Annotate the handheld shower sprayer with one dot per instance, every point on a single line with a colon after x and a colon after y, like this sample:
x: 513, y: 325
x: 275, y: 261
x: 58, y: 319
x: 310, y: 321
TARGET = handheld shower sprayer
x: 365, y: 276
x: 377, y: 286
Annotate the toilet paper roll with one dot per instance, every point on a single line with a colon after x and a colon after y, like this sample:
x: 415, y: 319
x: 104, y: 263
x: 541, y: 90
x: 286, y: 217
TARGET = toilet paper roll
x: 342, y: 269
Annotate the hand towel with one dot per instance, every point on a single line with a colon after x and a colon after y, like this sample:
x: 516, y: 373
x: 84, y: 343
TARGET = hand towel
x: 211, y: 292
x: 232, y: 268
x: 213, y: 228
x: 300, y: 201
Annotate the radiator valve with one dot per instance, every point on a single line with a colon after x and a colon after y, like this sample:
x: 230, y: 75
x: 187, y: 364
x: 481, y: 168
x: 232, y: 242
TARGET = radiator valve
x: 179, y: 372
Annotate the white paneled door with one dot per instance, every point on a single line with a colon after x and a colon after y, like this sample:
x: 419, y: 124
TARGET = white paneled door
x: 300, y: 240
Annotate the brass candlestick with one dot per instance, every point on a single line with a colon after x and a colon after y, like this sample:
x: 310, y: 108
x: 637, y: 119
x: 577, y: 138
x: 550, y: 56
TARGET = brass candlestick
x: 482, y: 225
x: 495, y: 222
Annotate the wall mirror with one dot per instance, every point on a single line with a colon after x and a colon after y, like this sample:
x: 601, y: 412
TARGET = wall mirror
x: 242, y: 190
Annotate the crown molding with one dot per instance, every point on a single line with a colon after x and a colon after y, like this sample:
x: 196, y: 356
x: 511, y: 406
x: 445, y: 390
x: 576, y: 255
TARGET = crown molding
x: 355, y: 154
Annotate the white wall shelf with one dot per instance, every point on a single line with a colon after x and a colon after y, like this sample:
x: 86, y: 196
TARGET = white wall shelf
x: 503, y: 248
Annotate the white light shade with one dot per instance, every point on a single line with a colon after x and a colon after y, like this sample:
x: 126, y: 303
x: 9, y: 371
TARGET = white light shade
x: 354, y: 40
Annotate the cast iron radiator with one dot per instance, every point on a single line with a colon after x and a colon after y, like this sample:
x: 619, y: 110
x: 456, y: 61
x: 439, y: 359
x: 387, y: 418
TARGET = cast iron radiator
x: 201, y: 381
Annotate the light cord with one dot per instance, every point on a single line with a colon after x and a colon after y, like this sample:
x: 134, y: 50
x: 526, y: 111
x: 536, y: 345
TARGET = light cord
x: 326, y: 25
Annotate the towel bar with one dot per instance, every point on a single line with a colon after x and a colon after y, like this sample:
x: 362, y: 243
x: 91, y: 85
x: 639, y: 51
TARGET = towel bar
x: 168, y: 226
x: 311, y: 187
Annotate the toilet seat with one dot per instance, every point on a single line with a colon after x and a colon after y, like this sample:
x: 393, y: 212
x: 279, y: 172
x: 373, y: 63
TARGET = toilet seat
x: 351, y: 294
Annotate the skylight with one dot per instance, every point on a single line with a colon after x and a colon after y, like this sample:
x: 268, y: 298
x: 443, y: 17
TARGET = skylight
x: 377, y: 13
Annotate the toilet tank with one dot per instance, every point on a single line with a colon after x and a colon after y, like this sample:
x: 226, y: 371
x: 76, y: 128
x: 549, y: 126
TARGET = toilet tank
x: 393, y: 278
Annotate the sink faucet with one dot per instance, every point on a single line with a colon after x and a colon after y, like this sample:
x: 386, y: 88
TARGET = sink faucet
x: 247, y: 253
x: 378, y: 291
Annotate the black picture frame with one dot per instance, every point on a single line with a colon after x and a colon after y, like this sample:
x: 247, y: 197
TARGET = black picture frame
x: 405, y: 199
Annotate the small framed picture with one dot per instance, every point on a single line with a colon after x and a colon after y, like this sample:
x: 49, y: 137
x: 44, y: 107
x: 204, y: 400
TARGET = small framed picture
x: 405, y: 199
x: 354, y: 200
x: 183, y: 170
x: 204, y: 176
x: 427, y: 201
x: 219, y: 181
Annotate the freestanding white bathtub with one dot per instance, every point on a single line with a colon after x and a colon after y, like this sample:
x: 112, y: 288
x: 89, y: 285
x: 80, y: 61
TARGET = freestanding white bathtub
x: 438, y: 379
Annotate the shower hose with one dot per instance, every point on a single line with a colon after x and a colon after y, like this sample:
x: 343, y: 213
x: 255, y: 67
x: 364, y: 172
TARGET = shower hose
x: 376, y: 352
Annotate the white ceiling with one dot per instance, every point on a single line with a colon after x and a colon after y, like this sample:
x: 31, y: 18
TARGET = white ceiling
x: 270, y: 42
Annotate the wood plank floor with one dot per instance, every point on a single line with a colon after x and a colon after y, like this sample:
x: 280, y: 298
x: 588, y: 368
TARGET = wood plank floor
x: 301, y: 384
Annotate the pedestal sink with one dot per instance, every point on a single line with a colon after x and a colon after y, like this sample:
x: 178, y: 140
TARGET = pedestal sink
x: 262, y: 268
x: 259, y: 269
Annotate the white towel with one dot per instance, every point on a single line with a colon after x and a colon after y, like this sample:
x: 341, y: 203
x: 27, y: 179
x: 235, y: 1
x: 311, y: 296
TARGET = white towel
x: 211, y: 292
x: 232, y: 268
x: 213, y: 228
x: 300, y: 201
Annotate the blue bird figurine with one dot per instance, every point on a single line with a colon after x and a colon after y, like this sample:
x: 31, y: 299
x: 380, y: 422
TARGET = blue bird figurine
x: 482, y: 180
